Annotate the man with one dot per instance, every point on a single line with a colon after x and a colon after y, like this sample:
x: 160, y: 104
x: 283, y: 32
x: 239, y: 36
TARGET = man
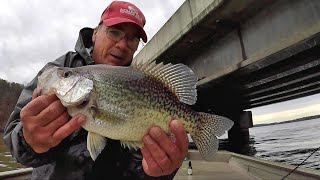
x: 40, y: 133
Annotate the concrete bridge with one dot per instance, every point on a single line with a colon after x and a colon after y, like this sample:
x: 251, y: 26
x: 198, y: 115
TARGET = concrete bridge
x: 246, y: 53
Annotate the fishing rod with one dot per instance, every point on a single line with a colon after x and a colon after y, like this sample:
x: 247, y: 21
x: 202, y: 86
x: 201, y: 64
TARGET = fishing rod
x: 300, y: 163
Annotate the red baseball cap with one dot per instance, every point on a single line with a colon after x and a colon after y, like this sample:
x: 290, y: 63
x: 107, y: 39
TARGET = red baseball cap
x: 119, y: 12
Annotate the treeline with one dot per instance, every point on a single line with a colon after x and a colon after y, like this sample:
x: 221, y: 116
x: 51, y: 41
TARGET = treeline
x: 289, y: 121
x: 9, y: 94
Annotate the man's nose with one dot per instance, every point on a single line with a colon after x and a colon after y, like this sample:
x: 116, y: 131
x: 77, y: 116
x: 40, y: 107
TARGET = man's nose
x: 123, y: 43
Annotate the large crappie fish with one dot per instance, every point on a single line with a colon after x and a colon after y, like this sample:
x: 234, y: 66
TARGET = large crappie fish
x: 122, y: 103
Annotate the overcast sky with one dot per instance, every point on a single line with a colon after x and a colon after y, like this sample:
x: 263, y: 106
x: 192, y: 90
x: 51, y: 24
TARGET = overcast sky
x: 35, y: 32
x: 288, y: 110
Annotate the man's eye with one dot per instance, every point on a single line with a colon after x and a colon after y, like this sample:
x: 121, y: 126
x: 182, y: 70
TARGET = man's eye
x: 134, y: 38
x: 115, y: 32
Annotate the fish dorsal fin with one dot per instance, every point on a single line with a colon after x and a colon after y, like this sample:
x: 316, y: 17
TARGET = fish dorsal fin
x: 179, y: 78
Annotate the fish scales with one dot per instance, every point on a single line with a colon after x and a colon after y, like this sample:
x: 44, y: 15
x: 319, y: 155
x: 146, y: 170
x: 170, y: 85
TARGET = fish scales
x: 122, y: 103
x: 146, y: 91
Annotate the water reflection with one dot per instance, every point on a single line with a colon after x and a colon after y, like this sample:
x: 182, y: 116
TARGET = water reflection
x: 245, y: 149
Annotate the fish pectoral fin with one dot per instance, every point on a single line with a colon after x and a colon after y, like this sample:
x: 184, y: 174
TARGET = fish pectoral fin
x: 131, y: 144
x: 95, y: 144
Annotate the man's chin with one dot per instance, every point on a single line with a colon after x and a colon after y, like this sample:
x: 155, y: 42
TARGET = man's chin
x: 112, y: 60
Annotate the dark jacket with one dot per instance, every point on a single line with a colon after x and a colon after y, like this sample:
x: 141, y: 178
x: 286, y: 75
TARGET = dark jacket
x: 71, y: 159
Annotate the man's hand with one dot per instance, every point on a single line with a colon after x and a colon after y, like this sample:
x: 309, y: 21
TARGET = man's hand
x: 161, y: 155
x: 45, y: 122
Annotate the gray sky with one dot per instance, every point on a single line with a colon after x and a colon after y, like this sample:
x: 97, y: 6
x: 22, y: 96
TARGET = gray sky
x: 35, y: 32
x: 288, y: 110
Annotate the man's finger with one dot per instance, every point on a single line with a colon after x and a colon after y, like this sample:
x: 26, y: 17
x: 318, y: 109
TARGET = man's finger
x: 67, y: 129
x: 57, y: 123
x: 35, y: 106
x: 170, y: 149
x: 157, y: 152
x: 180, y: 133
x: 149, y: 165
x: 35, y: 93
x: 50, y: 113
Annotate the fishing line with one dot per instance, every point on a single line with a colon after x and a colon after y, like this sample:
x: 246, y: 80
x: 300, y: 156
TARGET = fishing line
x: 301, y: 163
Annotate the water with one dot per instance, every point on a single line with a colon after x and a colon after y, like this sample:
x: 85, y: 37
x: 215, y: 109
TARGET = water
x: 288, y: 143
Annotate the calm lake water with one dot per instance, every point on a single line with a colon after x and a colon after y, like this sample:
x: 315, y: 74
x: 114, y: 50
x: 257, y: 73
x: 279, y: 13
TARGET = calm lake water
x: 288, y: 143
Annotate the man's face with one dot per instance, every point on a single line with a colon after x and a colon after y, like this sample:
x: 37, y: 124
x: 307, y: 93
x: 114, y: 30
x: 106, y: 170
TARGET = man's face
x: 108, y: 51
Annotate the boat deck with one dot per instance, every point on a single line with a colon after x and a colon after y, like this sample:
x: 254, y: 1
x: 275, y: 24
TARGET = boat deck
x: 232, y: 166
x: 218, y: 170
x: 226, y: 165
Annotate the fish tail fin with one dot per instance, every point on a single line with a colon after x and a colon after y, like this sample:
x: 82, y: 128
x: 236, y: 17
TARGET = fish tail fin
x: 209, y: 127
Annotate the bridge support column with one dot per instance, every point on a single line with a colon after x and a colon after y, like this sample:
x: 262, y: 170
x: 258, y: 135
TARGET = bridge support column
x: 238, y: 135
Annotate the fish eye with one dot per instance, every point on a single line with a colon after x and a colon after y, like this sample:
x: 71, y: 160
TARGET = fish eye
x: 66, y: 74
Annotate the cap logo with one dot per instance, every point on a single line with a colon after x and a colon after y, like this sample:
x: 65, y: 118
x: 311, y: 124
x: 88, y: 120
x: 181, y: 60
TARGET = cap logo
x: 132, y: 12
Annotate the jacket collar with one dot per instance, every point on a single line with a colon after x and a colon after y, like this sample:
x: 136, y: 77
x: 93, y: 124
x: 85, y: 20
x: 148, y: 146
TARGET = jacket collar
x: 85, y: 42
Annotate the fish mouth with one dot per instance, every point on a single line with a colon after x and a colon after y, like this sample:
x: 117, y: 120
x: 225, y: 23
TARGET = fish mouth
x: 48, y: 77
x: 83, y: 104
